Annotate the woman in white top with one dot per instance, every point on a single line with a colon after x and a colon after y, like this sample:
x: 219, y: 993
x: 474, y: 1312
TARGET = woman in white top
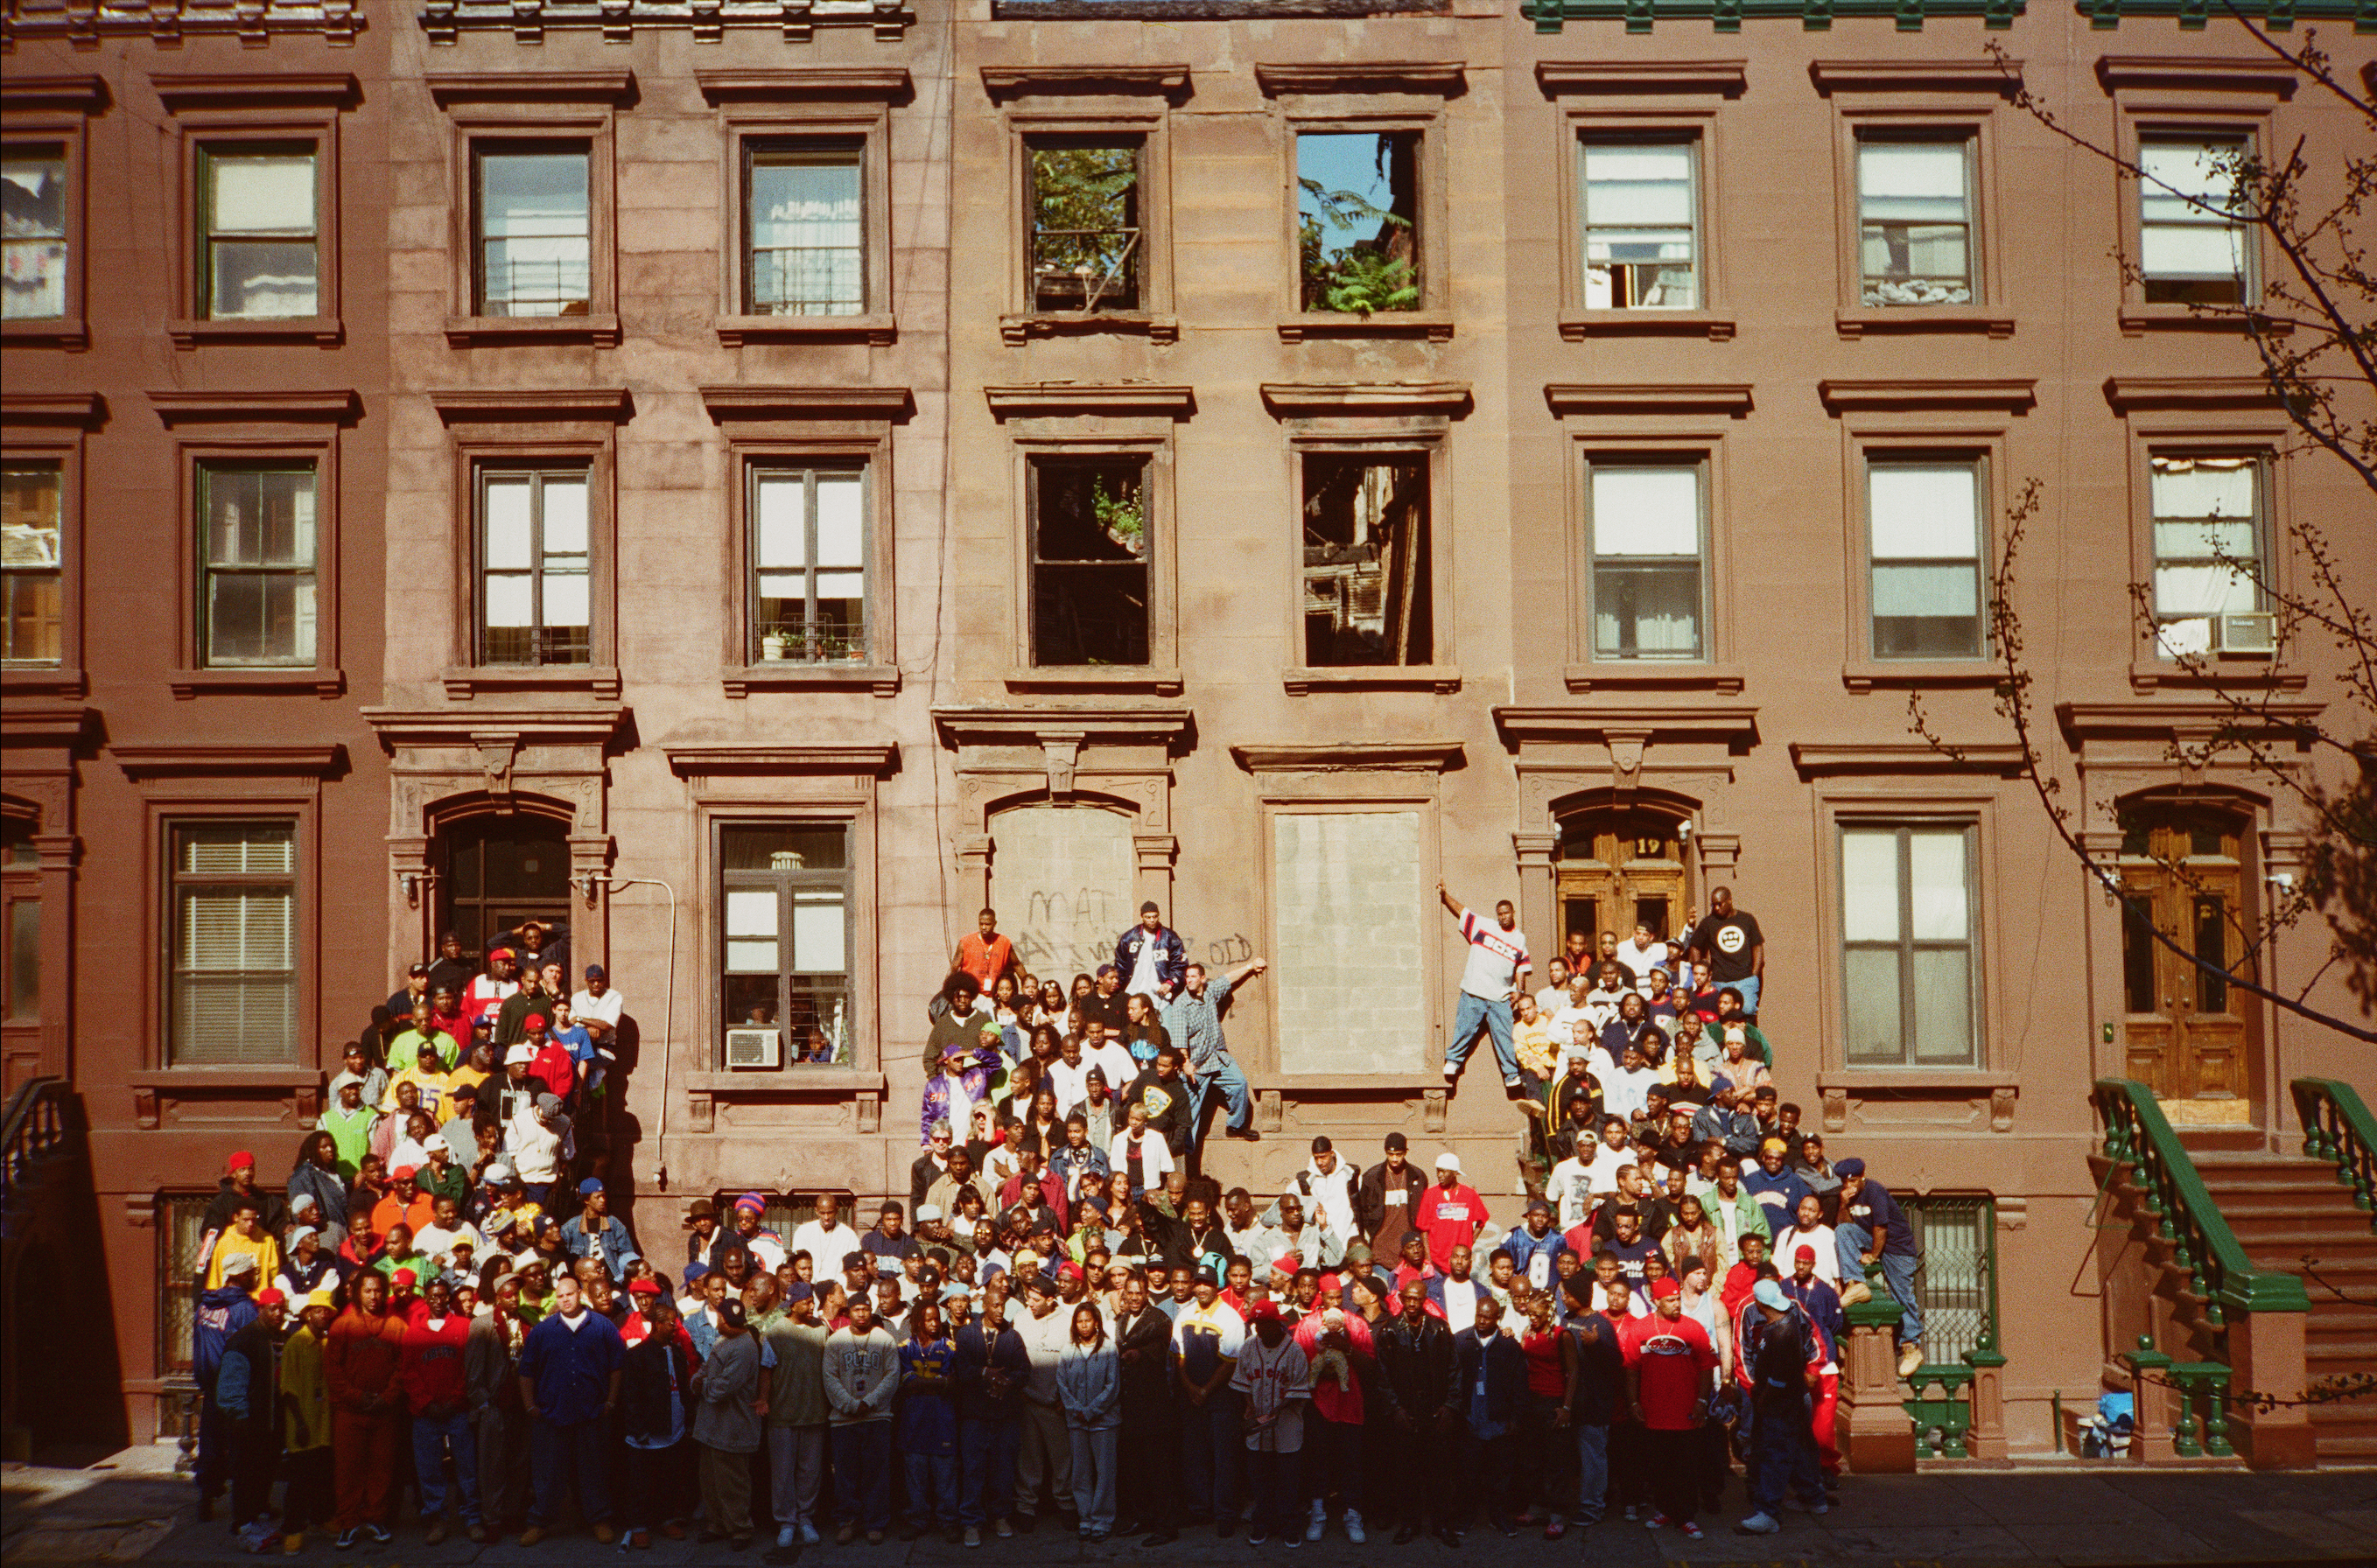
x: 1809, y: 1232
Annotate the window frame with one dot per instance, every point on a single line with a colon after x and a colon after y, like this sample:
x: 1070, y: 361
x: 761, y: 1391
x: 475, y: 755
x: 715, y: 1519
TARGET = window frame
x: 1022, y: 320
x: 1704, y: 465
x: 1162, y: 671
x: 2262, y: 462
x: 786, y: 884
x: 750, y: 466
x: 522, y: 128
x: 1366, y: 115
x: 539, y: 475
x: 1613, y: 440
x: 519, y: 439
x: 70, y: 135
x: 1643, y: 113
x: 754, y: 147
x: 1990, y: 311
x: 793, y: 106
x: 322, y: 676
x: 1425, y: 439
x: 2179, y: 103
x: 1044, y: 463
x: 1983, y: 560
x: 266, y: 123
x: 29, y: 446
x: 1927, y: 432
x: 2160, y: 132
x: 2227, y: 434
x: 207, y: 471
x: 207, y: 243
x: 300, y: 838
x: 1586, y: 141
x: 1908, y: 945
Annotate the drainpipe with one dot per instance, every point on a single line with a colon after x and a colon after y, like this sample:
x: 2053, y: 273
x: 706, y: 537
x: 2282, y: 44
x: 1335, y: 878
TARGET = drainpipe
x: 595, y: 885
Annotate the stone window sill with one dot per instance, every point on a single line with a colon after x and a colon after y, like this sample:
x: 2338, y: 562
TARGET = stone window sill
x: 58, y: 332
x: 1901, y: 674
x: 1577, y: 326
x: 323, y: 331
x: 1866, y: 320
x: 1165, y: 680
x: 600, y: 680
x: 2139, y: 318
x: 188, y: 684
x: 768, y: 1082
x: 1437, y: 678
x: 484, y: 331
x: 1653, y: 674
x: 1019, y: 329
x: 881, y: 680
x: 875, y: 331
x: 1435, y: 326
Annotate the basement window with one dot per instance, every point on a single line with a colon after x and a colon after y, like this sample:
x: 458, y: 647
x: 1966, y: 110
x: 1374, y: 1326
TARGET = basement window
x: 1366, y: 596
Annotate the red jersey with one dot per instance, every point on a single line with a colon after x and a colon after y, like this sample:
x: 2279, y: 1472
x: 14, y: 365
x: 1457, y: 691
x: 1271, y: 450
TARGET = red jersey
x: 1674, y: 1358
x: 1450, y: 1216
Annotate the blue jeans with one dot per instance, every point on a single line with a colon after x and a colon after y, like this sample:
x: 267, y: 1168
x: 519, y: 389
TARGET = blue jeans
x: 1221, y: 1075
x: 932, y: 1489
x: 1749, y: 989
x: 563, y: 1454
x: 862, y: 1473
x: 986, y: 1467
x: 1897, y: 1276
x: 1473, y: 1014
x: 1210, y: 1446
x: 1593, y: 1466
x: 431, y: 1437
x: 1783, y: 1455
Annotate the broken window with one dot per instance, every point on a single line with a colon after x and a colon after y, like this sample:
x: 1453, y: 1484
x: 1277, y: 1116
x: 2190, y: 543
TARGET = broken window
x: 1358, y: 208
x: 1090, y: 552
x: 1366, y: 567
x: 1087, y: 237
x: 1916, y: 213
x: 1641, y: 243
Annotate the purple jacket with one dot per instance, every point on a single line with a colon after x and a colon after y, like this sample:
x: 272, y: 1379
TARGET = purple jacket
x: 985, y: 1061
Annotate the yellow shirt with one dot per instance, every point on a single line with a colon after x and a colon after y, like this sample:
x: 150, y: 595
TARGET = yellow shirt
x: 434, y: 1088
x: 307, y: 1426
x: 1536, y: 1052
x: 264, y: 1248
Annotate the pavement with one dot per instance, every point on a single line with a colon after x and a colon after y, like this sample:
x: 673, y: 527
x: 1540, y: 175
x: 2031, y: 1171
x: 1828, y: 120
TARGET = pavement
x: 132, y: 1508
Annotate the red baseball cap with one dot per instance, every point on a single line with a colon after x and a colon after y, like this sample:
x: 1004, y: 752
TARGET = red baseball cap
x: 403, y: 1276
x: 534, y: 1023
x: 1664, y: 1287
x: 1808, y: 1252
x: 1071, y: 1271
x: 646, y: 1286
x: 501, y: 953
x: 270, y: 1299
x: 1265, y: 1311
x: 243, y: 1160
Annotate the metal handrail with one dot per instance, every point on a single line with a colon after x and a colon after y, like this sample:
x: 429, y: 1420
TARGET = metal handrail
x: 2139, y: 1136
x: 2337, y: 1126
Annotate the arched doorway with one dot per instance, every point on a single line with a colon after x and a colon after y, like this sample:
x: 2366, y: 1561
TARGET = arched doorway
x: 501, y: 869
x: 2186, y: 1030
x: 1618, y: 867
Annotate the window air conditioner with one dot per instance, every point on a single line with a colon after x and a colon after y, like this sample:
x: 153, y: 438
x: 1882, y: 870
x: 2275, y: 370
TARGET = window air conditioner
x: 2253, y: 633
x: 754, y: 1048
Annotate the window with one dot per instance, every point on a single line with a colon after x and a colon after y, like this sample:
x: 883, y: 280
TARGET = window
x: 2207, y: 548
x: 1955, y: 1281
x: 33, y: 233
x: 535, y: 602
x: 784, y: 950
x: 181, y: 1226
x: 532, y: 239
x: 1357, y: 220
x: 809, y: 563
x: 1647, y: 574
x: 1925, y: 524
x: 1642, y: 242
x: 1907, y: 914
x: 1090, y: 553
x: 1088, y: 235
x: 31, y: 601
x: 1367, y: 597
x: 258, y: 605
x: 2192, y: 228
x: 235, y: 968
x: 805, y: 251
x: 1915, y: 222
x: 260, y: 256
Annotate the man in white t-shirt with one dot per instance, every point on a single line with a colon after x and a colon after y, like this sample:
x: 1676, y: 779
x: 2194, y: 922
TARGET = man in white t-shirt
x: 826, y: 1239
x: 596, y: 1009
x: 1554, y: 997
x: 1639, y: 954
x: 1498, y: 957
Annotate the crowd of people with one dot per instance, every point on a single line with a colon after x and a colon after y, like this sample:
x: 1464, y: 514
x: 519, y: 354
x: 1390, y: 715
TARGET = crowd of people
x: 1063, y: 1320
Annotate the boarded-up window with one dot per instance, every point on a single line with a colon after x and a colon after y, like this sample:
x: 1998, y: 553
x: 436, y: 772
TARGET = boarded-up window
x: 234, y: 895
x: 1350, y: 921
x: 1061, y: 879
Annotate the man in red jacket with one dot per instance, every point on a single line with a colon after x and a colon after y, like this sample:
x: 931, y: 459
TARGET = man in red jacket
x: 360, y: 1364
x: 430, y: 1373
x: 1450, y: 1211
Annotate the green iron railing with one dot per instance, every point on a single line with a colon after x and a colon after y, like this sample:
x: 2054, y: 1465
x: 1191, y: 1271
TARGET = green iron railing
x: 2137, y: 1135
x: 2201, y: 1430
x: 2337, y: 1126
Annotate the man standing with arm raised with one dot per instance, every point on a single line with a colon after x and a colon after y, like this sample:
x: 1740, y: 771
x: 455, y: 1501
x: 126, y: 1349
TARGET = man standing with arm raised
x: 1498, y: 957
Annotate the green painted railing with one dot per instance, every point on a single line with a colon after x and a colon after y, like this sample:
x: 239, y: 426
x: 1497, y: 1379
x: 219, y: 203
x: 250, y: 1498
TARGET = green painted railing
x: 2137, y: 1135
x: 2337, y: 1126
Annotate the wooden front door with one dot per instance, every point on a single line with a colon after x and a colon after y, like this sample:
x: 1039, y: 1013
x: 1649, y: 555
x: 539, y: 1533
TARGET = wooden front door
x: 1619, y: 869
x: 501, y: 871
x: 2184, y: 1024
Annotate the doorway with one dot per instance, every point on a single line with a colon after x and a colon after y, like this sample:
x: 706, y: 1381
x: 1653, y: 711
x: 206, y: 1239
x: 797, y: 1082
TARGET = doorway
x: 2186, y: 1028
x: 501, y: 871
x: 1619, y: 868
x: 20, y: 956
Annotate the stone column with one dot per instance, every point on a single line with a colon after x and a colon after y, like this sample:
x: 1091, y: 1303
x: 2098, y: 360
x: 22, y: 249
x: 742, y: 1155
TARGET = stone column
x: 1987, y: 1439
x: 1538, y: 895
x: 2267, y: 1353
x: 1875, y: 1436
x: 974, y: 877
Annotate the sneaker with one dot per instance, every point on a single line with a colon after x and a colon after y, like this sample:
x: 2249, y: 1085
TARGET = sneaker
x: 1554, y: 1527
x: 348, y: 1539
x: 1910, y: 1359
x: 1855, y: 1291
x: 605, y: 1533
x: 1658, y: 1522
x: 1759, y: 1524
x: 875, y: 1537
x: 1291, y: 1542
x: 1006, y: 1527
x: 974, y: 1535
x: 1249, y: 1134
x: 638, y: 1540
x: 476, y: 1532
x: 1316, y: 1523
x: 1629, y: 1512
x: 1354, y: 1526
x: 787, y: 1537
x: 1510, y: 1531
x: 810, y: 1536
x: 436, y: 1533
x: 1257, y: 1535
x: 529, y: 1537
x: 1451, y: 1072
x: 378, y: 1534
x: 1692, y: 1530
x: 848, y: 1533
x: 1818, y: 1507
x: 293, y: 1542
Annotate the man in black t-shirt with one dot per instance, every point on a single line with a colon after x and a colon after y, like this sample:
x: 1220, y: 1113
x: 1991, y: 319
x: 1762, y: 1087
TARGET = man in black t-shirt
x: 1728, y: 941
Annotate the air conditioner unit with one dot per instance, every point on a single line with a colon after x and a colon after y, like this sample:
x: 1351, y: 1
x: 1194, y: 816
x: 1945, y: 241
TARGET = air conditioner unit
x: 2255, y: 634
x: 754, y: 1048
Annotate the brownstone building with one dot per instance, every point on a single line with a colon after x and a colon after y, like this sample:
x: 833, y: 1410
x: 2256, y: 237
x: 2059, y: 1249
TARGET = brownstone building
x: 752, y: 485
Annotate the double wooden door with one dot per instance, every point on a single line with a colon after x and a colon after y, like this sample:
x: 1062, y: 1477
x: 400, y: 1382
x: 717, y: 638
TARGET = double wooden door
x: 2185, y: 1025
x: 1617, y: 870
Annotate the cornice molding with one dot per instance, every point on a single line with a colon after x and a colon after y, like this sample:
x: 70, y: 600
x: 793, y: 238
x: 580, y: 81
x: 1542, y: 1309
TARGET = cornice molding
x: 709, y: 760
x: 2127, y: 393
x: 35, y: 723
x: 300, y: 761
x: 470, y: 725
x: 1732, y: 399
x: 1727, y: 78
x: 1305, y: 398
x: 892, y: 403
x: 617, y: 88
x: 2117, y: 72
x: 2007, y: 396
x: 85, y: 94
x: 1007, y: 726
x: 1339, y: 757
x: 1437, y: 78
x: 848, y: 84
x: 326, y: 407
x: 183, y: 89
x: 2170, y: 722
x: 1915, y: 75
x: 1676, y: 722
x: 1003, y: 83
x: 1904, y: 757
x: 87, y: 410
x: 1075, y: 397
x: 609, y: 404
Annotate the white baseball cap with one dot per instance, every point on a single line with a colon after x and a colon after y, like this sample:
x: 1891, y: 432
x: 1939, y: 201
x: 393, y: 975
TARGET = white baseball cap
x: 1448, y: 1161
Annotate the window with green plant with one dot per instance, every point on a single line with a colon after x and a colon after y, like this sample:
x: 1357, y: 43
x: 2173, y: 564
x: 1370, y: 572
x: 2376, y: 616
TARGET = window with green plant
x: 1087, y: 246
x: 1357, y: 221
x: 1089, y: 561
x: 1366, y: 569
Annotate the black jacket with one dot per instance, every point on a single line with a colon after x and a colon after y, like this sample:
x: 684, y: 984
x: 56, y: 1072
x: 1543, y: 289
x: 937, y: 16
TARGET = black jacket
x: 1370, y: 1197
x: 1171, y: 1120
x: 1598, y: 1386
x: 644, y: 1388
x: 1146, y: 1381
x: 1506, y: 1375
x: 985, y: 1346
x: 1416, y: 1366
x: 271, y: 1209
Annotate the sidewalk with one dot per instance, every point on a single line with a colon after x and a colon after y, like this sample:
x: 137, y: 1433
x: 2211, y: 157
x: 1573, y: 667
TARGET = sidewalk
x: 2049, y: 1513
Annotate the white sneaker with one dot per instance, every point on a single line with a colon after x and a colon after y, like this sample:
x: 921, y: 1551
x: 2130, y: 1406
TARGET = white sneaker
x: 787, y: 1537
x: 1759, y: 1524
x: 1318, y: 1524
x: 810, y: 1536
x: 1354, y: 1526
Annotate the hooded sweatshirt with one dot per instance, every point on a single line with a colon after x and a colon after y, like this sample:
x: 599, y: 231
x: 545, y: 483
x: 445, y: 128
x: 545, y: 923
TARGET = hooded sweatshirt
x: 222, y: 1311
x: 431, y: 1369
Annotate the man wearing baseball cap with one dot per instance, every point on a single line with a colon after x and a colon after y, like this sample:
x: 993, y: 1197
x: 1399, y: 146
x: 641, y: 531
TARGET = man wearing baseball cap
x: 247, y: 1387
x: 596, y: 1232
x: 306, y: 1432
x: 1207, y: 1337
x: 1670, y: 1372
x: 1782, y: 1354
x: 1821, y: 1304
x: 1450, y: 1212
x: 486, y: 994
x: 1874, y: 1230
x: 1274, y: 1378
x: 1150, y: 958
